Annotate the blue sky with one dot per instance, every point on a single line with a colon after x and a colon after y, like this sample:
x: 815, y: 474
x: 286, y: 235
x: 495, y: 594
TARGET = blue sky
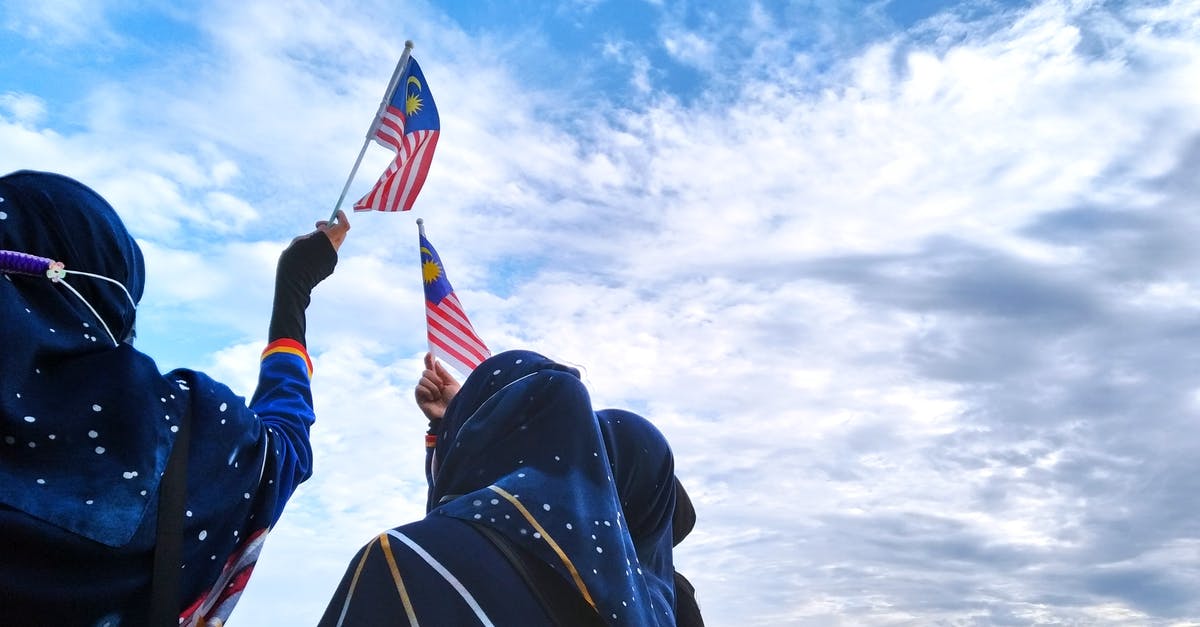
x: 910, y: 290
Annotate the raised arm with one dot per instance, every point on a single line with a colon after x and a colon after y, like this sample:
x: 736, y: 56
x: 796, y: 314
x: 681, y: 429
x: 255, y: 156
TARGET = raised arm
x: 283, y: 399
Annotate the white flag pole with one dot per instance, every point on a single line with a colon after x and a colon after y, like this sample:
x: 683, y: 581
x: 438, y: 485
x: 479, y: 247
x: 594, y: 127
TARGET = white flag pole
x: 387, y: 96
x: 429, y: 342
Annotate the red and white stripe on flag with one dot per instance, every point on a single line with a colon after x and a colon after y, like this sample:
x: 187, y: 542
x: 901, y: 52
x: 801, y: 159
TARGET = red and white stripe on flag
x: 399, y: 185
x: 451, y: 336
x: 390, y: 133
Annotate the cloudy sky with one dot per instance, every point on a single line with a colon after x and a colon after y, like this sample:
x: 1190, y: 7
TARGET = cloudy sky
x: 913, y: 292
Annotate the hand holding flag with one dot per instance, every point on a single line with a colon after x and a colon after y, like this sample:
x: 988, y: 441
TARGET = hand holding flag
x: 435, y: 389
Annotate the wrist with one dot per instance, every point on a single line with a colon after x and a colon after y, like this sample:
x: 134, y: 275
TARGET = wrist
x: 431, y: 436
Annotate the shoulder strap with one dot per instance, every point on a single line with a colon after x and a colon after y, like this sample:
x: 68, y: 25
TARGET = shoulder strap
x: 168, y: 543
x: 565, y: 607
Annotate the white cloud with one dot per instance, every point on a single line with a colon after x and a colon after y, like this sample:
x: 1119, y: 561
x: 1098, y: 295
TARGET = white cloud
x: 228, y: 212
x: 909, y: 316
x: 25, y: 109
x: 689, y: 48
x: 60, y: 22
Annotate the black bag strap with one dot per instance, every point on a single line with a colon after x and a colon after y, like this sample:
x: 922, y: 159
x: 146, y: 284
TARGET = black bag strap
x: 168, y: 543
x: 565, y: 606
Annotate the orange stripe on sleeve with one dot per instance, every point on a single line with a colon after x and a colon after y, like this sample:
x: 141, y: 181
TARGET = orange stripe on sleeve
x: 292, y: 347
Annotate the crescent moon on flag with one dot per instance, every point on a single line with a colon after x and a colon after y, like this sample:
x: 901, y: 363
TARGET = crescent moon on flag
x: 425, y: 251
x: 413, y: 79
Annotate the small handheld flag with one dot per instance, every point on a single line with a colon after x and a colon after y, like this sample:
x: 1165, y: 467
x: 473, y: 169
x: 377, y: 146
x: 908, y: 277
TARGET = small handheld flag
x: 451, y: 336
x: 407, y: 122
x: 410, y: 126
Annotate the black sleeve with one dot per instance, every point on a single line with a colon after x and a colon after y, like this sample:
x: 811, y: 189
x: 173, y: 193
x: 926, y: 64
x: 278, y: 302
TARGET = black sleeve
x: 303, y: 264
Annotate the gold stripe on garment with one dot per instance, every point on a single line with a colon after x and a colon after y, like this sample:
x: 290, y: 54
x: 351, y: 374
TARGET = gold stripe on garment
x: 549, y: 540
x: 358, y: 571
x: 391, y: 560
x: 354, y: 581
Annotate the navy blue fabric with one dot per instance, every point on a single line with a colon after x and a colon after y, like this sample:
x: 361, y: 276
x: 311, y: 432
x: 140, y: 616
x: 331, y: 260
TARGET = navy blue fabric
x: 644, y: 470
x: 86, y: 429
x: 50, y: 215
x: 524, y: 424
x: 368, y: 596
x: 73, y: 421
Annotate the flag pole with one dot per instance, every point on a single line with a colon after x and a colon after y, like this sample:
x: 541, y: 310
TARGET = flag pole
x: 428, y: 341
x: 387, y: 96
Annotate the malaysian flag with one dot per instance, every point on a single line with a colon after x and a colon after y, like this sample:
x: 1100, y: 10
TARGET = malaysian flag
x: 451, y: 336
x: 409, y: 125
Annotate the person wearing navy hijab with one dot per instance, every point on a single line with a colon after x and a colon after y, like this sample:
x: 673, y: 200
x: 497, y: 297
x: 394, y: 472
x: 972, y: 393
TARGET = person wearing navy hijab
x: 538, y: 513
x: 645, y: 470
x: 88, y: 425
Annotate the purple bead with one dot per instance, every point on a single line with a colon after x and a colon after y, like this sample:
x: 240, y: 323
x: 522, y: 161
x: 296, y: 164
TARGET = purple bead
x: 23, y: 263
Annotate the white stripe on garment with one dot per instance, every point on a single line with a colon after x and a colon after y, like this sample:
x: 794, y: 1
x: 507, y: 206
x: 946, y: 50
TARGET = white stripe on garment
x: 450, y: 578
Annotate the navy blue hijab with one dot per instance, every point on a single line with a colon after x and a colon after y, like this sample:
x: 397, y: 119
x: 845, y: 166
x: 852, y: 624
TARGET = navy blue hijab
x: 644, y: 470
x: 79, y: 448
x: 521, y: 451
